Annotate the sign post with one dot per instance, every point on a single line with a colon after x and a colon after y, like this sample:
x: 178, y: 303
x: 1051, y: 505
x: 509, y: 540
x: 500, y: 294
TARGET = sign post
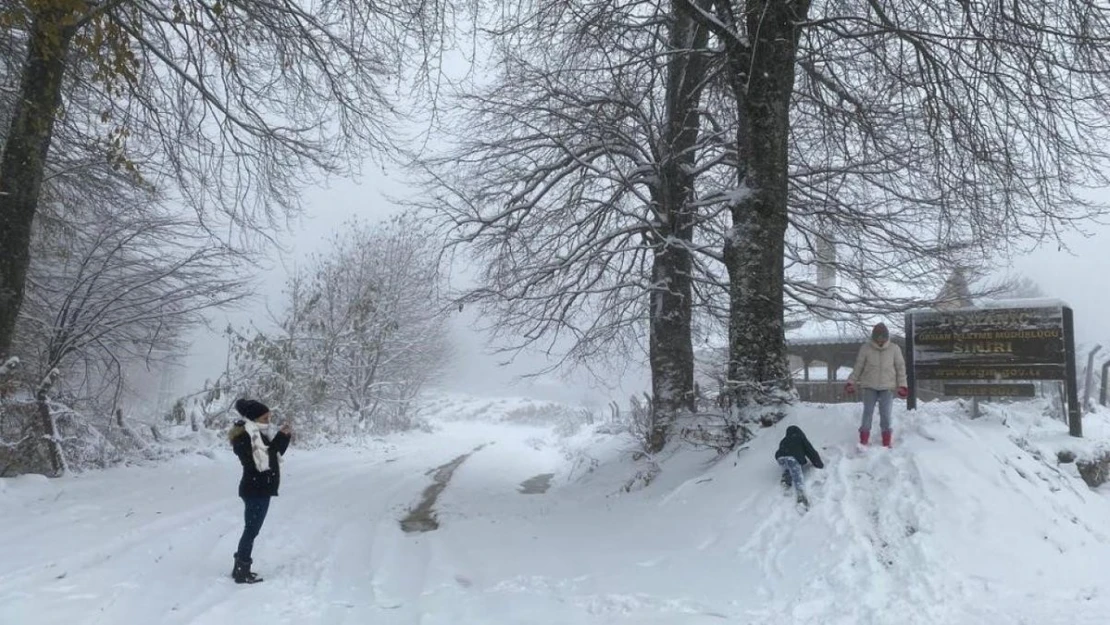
x: 911, y: 377
x: 982, y: 353
x: 1075, y: 415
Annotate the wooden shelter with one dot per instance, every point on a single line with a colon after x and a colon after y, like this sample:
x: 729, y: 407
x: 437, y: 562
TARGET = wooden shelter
x: 833, y: 347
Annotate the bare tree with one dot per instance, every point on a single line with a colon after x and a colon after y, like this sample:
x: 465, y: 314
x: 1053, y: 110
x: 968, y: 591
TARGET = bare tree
x: 861, y: 140
x: 935, y: 131
x: 1021, y: 287
x: 575, y: 182
x: 363, y: 333
x: 376, y: 319
x: 236, y: 104
x: 110, y: 287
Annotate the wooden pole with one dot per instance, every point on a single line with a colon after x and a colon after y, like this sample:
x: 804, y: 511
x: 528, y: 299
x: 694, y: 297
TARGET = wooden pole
x: 1090, y: 379
x: 1105, y: 382
x: 1075, y: 414
x: 911, y: 377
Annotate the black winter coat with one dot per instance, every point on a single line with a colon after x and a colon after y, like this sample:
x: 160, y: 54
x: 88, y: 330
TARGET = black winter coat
x: 797, y: 445
x: 257, y: 483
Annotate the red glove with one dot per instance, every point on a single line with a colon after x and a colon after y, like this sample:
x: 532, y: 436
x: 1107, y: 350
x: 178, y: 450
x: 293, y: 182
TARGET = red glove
x: 903, y: 392
x: 849, y: 388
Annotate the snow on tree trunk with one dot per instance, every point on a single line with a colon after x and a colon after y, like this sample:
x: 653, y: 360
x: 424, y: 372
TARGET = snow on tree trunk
x: 758, y: 375
x: 671, y: 351
x: 762, y: 78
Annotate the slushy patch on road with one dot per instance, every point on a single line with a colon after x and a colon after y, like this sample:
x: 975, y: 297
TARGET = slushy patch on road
x: 422, y: 518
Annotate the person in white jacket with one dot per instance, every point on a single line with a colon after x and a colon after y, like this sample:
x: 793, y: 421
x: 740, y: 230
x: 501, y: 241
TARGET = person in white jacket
x: 880, y: 371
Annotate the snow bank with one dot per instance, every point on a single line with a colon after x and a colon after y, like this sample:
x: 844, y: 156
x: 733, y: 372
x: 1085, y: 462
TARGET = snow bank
x: 963, y: 522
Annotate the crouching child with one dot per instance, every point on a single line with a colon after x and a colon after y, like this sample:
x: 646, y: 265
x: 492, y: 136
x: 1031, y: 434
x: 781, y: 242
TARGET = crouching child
x: 794, y: 452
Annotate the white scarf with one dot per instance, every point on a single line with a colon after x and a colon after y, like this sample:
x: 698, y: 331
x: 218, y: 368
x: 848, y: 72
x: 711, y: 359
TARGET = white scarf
x: 258, y: 448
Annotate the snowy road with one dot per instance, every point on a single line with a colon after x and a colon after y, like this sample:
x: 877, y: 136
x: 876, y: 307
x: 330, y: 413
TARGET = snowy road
x: 956, y: 525
x: 154, y: 545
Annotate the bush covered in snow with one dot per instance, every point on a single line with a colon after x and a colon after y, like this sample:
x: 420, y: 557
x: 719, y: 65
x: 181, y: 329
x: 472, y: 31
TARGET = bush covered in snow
x: 1094, y: 471
x: 567, y: 420
x: 87, y: 441
x: 360, y: 333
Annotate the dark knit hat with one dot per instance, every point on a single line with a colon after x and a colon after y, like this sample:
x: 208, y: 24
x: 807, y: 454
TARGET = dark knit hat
x: 880, y: 332
x: 250, y: 408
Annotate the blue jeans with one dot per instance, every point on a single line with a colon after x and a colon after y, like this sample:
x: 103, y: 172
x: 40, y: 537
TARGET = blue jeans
x: 792, y: 473
x: 254, y: 513
x: 885, y: 399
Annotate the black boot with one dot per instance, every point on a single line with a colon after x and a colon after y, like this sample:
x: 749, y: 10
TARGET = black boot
x: 803, y: 500
x: 241, y: 573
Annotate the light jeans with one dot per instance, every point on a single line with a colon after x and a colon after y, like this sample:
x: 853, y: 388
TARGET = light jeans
x: 792, y: 472
x: 885, y: 399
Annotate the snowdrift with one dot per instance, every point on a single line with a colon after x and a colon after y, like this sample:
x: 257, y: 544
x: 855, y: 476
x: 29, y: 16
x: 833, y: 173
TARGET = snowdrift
x: 962, y: 522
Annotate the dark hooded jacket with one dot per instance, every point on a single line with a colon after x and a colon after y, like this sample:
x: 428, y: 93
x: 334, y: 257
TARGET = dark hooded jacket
x: 255, y: 483
x: 796, y: 444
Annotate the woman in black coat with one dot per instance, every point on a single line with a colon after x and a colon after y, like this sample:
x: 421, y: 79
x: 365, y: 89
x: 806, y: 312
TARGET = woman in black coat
x: 261, y: 460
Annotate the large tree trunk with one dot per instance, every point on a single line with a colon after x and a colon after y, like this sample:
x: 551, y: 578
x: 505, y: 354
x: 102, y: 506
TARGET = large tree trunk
x: 671, y: 350
x: 23, y: 161
x: 762, y: 75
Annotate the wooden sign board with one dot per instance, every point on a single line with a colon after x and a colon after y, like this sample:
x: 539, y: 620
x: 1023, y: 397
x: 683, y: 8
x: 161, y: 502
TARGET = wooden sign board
x: 994, y: 345
x: 1006, y: 344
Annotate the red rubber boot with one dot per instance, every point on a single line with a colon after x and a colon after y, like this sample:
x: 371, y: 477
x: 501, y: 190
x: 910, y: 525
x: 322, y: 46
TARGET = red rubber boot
x: 886, y: 438
x: 864, y: 437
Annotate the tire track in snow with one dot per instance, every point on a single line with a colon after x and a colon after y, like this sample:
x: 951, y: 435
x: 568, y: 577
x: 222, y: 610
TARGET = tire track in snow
x: 177, y: 515
x: 162, y: 568
x: 422, y: 516
x: 331, y: 571
x: 290, y: 562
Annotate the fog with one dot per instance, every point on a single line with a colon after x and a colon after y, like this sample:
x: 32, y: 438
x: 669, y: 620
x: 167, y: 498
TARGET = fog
x: 1080, y: 275
x: 1075, y: 273
x: 475, y: 369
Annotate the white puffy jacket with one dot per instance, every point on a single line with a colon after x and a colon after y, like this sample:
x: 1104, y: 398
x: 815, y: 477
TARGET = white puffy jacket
x: 880, y: 368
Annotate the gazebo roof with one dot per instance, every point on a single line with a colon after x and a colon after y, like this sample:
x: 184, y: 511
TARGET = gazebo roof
x: 831, y: 341
x: 817, y: 332
x: 832, y: 331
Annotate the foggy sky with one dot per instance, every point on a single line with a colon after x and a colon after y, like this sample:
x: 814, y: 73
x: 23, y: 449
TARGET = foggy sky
x: 1078, y: 275
x: 474, y: 370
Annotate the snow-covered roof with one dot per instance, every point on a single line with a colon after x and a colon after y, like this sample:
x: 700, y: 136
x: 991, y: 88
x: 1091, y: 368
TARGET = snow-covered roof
x: 1029, y: 302
x: 830, y: 331
x: 1032, y: 302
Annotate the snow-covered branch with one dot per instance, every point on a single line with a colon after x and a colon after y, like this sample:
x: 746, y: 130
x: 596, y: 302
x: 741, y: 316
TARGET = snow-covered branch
x: 362, y: 332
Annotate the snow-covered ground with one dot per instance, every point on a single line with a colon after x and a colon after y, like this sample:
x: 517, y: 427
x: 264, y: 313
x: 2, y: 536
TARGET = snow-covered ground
x: 963, y: 522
